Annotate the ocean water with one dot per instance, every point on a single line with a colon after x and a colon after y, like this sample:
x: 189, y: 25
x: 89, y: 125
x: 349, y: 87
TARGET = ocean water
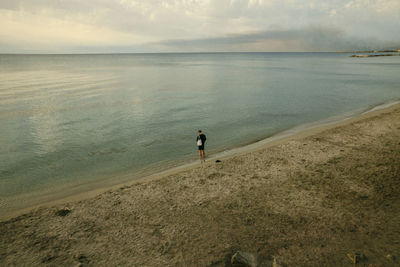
x: 70, y: 123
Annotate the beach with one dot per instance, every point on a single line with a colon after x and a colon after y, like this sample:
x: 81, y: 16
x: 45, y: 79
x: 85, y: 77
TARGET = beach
x: 312, y: 199
x: 71, y: 124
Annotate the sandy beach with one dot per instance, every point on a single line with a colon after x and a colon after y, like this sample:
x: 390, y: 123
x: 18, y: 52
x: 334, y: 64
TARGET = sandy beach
x: 305, y: 200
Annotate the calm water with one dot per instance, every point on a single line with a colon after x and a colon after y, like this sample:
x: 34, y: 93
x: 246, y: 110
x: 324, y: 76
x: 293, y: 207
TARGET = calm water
x: 69, y: 123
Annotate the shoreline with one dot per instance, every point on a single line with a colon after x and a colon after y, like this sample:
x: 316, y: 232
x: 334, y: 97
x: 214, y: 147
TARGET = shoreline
x: 376, y: 55
x: 296, y: 132
x: 316, y: 198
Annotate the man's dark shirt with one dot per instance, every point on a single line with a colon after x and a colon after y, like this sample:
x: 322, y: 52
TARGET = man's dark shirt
x: 202, y: 137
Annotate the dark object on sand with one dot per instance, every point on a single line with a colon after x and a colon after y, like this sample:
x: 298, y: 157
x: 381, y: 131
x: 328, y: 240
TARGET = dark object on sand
x: 217, y: 161
x: 243, y: 259
x: 356, y: 257
x: 63, y: 212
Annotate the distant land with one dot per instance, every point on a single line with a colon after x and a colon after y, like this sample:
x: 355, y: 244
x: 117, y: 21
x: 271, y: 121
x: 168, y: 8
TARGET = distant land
x: 374, y: 53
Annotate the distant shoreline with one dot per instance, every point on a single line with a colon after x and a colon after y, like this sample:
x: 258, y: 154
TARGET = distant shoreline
x: 377, y: 55
x: 374, y: 53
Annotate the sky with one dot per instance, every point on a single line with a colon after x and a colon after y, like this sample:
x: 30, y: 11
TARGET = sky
x: 142, y: 26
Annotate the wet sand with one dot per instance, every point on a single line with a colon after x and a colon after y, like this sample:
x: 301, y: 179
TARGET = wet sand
x: 305, y: 200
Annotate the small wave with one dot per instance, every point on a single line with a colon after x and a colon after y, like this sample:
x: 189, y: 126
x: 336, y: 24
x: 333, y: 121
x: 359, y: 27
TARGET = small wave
x: 107, y: 152
x: 269, y: 114
x: 149, y: 143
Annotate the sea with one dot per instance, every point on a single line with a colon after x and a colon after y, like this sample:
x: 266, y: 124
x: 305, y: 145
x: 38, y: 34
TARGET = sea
x: 74, y: 123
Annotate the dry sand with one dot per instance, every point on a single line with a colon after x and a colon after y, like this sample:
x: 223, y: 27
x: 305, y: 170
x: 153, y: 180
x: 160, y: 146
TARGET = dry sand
x: 308, y: 200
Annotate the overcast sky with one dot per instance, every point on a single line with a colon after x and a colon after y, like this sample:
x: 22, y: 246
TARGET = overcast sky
x: 76, y: 26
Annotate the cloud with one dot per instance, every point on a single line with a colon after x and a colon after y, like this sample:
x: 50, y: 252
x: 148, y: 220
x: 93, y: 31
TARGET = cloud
x: 158, y: 25
x: 27, y: 32
x: 315, y: 38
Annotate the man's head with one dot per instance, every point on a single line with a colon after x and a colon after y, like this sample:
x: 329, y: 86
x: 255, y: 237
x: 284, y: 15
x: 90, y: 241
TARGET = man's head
x: 199, y: 131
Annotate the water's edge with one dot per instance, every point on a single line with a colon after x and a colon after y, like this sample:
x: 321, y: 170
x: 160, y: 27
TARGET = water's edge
x: 290, y: 132
x: 88, y: 190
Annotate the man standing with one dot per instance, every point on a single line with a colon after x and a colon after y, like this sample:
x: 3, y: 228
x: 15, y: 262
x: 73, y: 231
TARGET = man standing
x: 201, y: 140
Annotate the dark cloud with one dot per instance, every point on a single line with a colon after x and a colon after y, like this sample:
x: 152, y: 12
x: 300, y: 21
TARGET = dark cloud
x: 305, y: 39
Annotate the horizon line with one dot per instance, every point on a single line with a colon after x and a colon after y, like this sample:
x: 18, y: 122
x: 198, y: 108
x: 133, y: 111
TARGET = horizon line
x: 199, y: 52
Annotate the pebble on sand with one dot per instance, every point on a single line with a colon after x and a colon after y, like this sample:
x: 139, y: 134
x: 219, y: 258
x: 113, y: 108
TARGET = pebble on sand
x: 62, y: 212
x: 243, y: 259
x: 356, y: 257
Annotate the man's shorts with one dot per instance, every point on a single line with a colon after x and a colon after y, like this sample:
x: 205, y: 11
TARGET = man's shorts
x: 201, y: 147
